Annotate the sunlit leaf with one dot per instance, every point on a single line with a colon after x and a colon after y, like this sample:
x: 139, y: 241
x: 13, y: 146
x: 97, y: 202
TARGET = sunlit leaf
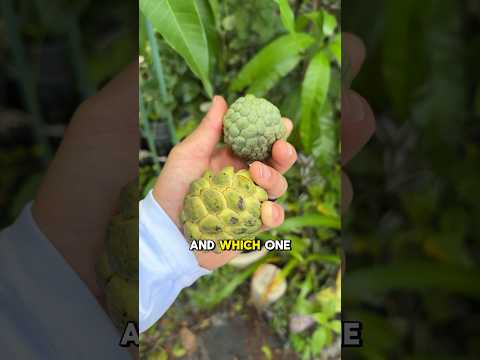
x: 324, y: 148
x: 209, y: 23
x: 329, y: 23
x: 309, y: 220
x: 319, y: 340
x: 179, y: 23
x: 272, y: 63
x: 335, y: 47
x: 314, y: 93
x: 336, y: 326
x: 286, y: 13
x: 215, y: 6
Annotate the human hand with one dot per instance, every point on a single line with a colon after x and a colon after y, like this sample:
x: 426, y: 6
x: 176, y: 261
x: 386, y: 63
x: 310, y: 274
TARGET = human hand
x: 97, y: 157
x: 198, y: 152
x: 358, y: 121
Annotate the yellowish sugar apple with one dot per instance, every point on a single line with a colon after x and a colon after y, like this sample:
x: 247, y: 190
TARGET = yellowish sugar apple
x: 117, y: 267
x: 122, y: 246
x: 251, y: 126
x: 122, y: 300
x: 226, y: 205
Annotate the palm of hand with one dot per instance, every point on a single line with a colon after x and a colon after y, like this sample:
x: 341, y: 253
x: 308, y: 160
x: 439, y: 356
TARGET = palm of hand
x: 199, y: 152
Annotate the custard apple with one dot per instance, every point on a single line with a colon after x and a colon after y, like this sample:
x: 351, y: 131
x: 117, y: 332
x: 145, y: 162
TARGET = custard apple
x: 122, y: 300
x: 223, y: 206
x: 251, y: 126
x: 117, y: 267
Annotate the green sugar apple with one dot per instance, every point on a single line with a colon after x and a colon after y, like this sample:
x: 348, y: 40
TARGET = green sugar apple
x: 117, y: 267
x: 226, y: 205
x: 251, y: 126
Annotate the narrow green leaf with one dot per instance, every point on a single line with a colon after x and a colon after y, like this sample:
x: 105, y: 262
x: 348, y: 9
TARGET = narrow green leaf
x: 319, y: 340
x: 414, y: 275
x: 329, y: 23
x: 309, y: 220
x: 336, y: 326
x: 314, y: 93
x: 272, y: 63
x: 209, y: 24
x: 142, y: 36
x: 325, y: 133
x: 178, y: 21
x: 336, y: 48
x: 215, y: 6
x: 286, y: 13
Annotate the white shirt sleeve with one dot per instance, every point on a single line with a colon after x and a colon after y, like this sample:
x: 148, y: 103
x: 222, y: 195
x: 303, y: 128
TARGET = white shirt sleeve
x: 166, y: 264
x: 46, y: 311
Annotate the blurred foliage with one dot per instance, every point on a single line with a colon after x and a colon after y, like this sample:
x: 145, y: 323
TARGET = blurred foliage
x: 411, y: 235
x: 288, y: 52
x: 52, y: 56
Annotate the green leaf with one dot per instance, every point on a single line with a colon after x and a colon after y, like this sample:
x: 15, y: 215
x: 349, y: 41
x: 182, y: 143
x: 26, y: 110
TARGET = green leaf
x: 178, y: 350
x: 336, y: 326
x: 335, y: 47
x: 414, y: 275
x: 286, y: 13
x: 319, y: 340
x: 321, y: 318
x: 309, y: 220
x: 178, y: 21
x: 325, y: 141
x: 329, y: 23
x: 267, y: 352
x: 142, y: 36
x: 209, y: 23
x: 314, y: 93
x: 272, y: 63
x: 214, y: 5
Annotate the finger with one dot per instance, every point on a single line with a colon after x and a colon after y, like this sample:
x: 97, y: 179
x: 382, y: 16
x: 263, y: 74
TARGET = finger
x: 206, y: 136
x: 210, y: 260
x: 272, y: 214
x: 354, y: 52
x: 268, y: 178
x: 284, y: 156
x: 288, y: 126
x: 347, y: 192
x: 358, y: 124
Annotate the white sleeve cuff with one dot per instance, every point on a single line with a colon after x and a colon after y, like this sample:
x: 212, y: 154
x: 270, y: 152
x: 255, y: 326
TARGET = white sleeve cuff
x: 47, y: 310
x: 166, y: 264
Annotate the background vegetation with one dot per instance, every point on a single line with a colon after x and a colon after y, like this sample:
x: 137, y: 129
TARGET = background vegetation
x: 290, y: 53
x: 52, y: 56
x: 411, y: 236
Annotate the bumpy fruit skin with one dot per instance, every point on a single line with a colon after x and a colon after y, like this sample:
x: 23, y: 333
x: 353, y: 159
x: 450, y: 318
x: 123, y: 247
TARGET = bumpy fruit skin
x: 223, y: 206
x: 122, y: 246
x: 251, y: 126
x: 122, y: 301
x: 117, y: 266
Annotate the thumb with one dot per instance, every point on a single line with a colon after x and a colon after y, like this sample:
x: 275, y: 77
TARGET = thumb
x: 207, y: 135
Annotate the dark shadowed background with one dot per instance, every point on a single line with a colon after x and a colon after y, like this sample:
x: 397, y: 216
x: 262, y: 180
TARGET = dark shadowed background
x: 53, y: 54
x: 411, y: 235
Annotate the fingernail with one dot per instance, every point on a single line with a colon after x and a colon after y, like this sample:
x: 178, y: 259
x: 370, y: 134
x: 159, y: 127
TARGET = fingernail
x: 265, y: 172
x: 290, y: 150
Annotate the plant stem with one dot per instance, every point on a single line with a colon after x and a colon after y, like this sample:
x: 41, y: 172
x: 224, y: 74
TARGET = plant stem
x: 157, y: 65
x: 147, y: 132
x: 26, y: 81
x: 77, y: 57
